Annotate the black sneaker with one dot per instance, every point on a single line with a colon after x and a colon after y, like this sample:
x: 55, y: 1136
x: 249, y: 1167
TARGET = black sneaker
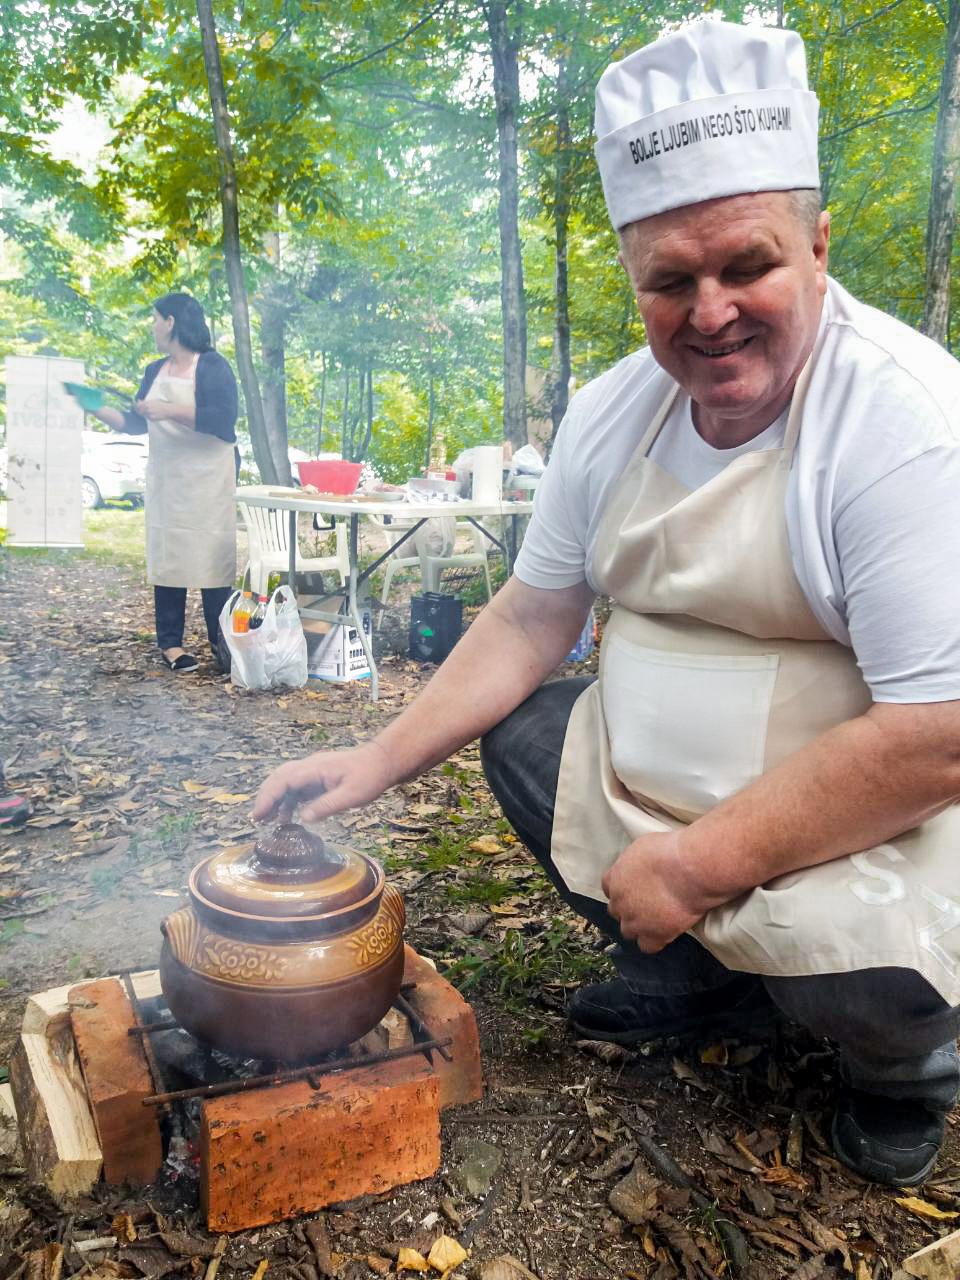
x: 611, y: 1011
x: 886, y: 1140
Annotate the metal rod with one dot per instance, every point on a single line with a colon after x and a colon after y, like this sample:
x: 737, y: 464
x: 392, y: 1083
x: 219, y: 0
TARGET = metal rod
x: 154, y: 1067
x: 298, y: 1073
x: 149, y: 1028
x: 407, y: 1009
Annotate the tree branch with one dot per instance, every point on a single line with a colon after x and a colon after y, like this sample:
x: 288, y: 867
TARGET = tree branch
x: 882, y: 115
x: 367, y: 57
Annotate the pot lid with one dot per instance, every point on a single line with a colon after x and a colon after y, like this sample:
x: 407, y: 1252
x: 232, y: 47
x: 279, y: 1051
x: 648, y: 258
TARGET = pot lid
x: 290, y: 873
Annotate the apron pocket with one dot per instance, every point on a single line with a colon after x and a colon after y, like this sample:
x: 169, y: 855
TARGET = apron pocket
x: 686, y: 730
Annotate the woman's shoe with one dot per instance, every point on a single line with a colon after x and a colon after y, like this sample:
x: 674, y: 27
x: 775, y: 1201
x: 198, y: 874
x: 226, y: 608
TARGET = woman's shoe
x: 186, y: 662
x: 14, y: 809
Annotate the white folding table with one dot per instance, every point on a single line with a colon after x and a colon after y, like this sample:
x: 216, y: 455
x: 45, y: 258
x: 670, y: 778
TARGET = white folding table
x: 353, y: 510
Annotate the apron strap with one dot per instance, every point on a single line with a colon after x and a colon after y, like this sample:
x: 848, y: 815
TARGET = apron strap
x: 659, y: 418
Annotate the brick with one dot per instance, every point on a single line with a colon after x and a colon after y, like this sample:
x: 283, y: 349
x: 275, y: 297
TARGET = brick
x: 446, y: 1013
x: 117, y: 1078
x: 280, y: 1152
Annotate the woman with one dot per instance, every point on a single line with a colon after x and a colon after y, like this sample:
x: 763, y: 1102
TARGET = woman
x: 187, y: 401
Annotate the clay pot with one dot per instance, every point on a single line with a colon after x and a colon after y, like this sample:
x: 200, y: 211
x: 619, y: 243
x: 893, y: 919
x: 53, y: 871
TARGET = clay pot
x: 288, y: 949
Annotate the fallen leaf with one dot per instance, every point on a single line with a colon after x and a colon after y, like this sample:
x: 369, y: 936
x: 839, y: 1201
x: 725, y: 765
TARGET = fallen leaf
x: 715, y: 1055
x: 446, y: 1253
x: 605, y: 1050
x: 486, y: 844
x: 506, y: 1267
x: 411, y: 1260
x: 225, y: 797
x: 688, y: 1075
x: 194, y: 788
x: 924, y: 1209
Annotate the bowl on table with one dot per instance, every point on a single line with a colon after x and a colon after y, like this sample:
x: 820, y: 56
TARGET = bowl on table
x: 331, y: 475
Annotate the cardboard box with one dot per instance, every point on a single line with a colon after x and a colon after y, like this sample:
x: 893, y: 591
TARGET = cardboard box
x: 335, y: 651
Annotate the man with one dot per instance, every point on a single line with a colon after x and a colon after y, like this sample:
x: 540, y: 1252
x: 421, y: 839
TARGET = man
x: 757, y: 797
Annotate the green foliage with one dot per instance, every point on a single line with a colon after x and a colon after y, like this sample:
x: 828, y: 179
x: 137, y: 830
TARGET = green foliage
x: 366, y: 153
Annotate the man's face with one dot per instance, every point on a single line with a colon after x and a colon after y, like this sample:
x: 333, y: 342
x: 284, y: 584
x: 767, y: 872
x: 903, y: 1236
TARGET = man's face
x: 730, y: 292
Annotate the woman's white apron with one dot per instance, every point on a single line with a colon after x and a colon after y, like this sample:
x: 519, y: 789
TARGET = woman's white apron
x: 713, y: 670
x: 190, y: 497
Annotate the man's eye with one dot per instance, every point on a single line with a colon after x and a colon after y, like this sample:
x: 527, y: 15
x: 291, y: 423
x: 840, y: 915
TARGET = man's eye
x: 752, y: 272
x: 673, y: 285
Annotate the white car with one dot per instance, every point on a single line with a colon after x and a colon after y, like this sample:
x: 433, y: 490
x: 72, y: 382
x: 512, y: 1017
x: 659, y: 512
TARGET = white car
x: 112, y: 467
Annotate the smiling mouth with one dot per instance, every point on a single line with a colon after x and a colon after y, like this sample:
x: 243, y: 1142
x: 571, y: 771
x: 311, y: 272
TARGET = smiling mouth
x: 716, y: 352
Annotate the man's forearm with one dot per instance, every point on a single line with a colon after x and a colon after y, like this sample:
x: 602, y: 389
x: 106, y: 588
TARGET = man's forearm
x: 506, y: 654
x: 856, y: 786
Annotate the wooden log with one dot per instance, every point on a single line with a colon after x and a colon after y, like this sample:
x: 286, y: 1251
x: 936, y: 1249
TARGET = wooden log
x: 60, y: 1144
x: 937, y: 1261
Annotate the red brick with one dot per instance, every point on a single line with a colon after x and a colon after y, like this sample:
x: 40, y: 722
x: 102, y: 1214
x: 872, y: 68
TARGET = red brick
x: 288, y: 1150
x: 117, y: 1078
x: 446, y: 1013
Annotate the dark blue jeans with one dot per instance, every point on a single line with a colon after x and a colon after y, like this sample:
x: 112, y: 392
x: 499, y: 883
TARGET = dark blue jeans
x: 896, y: 1035
x: 170, y: 607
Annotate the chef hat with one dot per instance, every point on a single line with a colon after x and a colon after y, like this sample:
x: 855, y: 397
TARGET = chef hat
x: 714, y: 109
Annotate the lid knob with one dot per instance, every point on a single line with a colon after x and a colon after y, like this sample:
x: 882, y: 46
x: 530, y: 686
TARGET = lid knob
x: 291, y: 850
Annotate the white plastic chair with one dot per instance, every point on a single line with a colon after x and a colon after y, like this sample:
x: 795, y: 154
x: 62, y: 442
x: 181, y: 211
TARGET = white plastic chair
x: 414, y: 553
x: 268, y: 538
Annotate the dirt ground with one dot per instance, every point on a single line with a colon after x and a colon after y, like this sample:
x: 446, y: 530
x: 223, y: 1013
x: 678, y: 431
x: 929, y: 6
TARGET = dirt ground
x: 134, y: 774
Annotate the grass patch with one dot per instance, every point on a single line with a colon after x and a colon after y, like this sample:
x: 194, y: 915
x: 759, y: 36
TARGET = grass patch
x: 111, y: 535
x: 115, y: 535
x: 520, y: 965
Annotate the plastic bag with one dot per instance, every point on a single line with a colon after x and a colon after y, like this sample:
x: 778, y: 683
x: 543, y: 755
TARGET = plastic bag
x: 274, y: 655
x: 527, y: 462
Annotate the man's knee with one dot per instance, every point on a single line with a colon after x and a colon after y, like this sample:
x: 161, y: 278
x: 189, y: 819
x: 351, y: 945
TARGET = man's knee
x: 884, y: 1012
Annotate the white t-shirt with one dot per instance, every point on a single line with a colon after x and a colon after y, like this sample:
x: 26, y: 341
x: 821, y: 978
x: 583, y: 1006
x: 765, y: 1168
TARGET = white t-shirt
x: 873, y: 501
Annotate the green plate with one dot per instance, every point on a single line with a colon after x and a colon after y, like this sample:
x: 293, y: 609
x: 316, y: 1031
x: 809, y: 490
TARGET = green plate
x: 88, y: 398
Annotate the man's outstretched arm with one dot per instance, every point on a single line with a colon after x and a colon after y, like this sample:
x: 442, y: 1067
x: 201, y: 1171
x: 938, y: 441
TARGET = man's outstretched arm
x: 514, y: 644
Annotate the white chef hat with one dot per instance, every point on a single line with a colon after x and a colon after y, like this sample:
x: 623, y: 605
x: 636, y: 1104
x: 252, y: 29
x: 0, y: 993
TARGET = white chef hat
x: 713, y: 109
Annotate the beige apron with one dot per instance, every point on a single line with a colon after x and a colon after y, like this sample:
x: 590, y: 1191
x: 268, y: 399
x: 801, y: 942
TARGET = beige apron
x: 190, y: 499
x: 714, y: 669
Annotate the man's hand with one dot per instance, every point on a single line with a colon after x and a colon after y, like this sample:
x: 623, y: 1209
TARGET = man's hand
x: 650, y: 894
x: 325, y: 783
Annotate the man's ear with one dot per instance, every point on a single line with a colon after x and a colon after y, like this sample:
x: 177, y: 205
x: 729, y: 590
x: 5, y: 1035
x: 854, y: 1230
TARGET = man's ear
x: 821, y: 241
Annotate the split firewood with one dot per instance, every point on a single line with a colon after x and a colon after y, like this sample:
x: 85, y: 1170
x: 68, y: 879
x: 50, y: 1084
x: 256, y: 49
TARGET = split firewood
x: 937, y: 1261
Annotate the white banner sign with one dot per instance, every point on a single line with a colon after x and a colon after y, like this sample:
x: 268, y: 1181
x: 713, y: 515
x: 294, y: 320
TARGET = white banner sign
x: 44, y: 428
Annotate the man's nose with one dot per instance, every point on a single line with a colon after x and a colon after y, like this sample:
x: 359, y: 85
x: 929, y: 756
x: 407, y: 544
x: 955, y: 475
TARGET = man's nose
x: 714, y: 307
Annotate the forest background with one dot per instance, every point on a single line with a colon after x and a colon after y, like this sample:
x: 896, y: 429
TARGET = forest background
x: 390, y: 211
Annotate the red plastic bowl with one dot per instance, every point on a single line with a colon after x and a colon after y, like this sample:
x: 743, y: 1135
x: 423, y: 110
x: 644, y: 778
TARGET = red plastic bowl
x: 331, y: 475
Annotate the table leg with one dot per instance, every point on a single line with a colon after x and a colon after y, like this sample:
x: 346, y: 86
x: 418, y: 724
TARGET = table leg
x: 292, y: 565
x: 353, y: 610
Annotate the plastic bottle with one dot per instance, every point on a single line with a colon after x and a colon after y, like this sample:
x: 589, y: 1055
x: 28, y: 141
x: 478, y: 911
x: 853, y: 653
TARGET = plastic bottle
x: 242, y: 612
x: 259, y: 613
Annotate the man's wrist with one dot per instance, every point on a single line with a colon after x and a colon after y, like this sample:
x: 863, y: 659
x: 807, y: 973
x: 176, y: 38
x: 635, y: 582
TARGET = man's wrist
x: 702, y: 877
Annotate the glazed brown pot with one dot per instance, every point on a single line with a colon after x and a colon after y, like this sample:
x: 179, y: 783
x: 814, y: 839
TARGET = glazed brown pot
x: 286, y: 951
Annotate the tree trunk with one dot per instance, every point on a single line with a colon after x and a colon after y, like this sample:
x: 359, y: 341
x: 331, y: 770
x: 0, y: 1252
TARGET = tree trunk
x: 344, y: 437
x: 323, y: 400
x: 560, y: 360
x: 271, y: 455
x: 942, y: 216
x: 506, y: 88
x: 273, y: 321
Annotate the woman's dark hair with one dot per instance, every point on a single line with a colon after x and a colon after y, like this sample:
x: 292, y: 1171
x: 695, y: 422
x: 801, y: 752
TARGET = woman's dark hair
x: 189, y: 326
